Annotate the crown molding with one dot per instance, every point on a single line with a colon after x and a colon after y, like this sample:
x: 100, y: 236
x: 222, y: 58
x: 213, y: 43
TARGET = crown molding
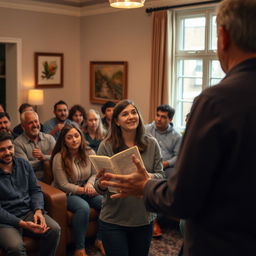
x: 96, y: 9
x: 27, y: 5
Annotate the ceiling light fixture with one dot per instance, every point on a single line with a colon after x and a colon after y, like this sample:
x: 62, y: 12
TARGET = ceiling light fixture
x: 126, y: 3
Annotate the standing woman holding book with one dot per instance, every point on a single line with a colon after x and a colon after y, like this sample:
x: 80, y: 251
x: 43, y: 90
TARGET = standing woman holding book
x: 74, y: 175
x: 125, y: 224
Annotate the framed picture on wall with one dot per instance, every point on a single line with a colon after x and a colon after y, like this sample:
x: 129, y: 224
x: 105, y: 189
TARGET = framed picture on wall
x: 108, y: 81
x: 48, y: 70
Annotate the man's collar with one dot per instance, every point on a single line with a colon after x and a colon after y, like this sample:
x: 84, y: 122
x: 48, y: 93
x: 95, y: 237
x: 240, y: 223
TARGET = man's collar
x: 30, y: 140
x: 169, y: 127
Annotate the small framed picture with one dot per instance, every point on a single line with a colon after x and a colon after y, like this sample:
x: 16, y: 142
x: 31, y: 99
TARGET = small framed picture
x: 108, y: 81
x: 48, y: 70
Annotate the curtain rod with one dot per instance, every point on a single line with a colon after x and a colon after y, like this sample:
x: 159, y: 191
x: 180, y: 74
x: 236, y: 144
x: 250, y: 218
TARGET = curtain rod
x: 149, y: 10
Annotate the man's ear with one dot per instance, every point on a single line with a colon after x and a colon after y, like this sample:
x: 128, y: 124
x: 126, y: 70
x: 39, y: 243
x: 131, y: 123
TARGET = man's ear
x: 224, y: 38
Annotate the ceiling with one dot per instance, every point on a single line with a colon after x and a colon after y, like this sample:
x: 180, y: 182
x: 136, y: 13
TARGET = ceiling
x: 81, y: 7
x: 75, y: 3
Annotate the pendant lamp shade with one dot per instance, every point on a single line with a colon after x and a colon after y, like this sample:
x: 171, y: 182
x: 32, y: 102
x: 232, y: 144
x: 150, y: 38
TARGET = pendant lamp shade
x: 126, y: 3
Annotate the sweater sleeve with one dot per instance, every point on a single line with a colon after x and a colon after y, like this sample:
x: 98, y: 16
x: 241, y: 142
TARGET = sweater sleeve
x: 60, y: 177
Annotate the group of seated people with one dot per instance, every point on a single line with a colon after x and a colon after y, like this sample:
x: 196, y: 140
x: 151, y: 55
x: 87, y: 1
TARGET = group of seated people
x: 64, y: 143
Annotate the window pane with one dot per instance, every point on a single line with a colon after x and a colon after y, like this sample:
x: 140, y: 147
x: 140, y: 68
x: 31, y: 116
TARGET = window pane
x: 216, y: 73
x: 213, y: 39
x: 190, y: 78
x: 186, y: 106
x: 193, y: 34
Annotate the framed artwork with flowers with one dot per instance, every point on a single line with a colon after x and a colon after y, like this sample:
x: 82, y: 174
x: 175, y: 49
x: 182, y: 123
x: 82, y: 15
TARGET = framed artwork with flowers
x: 48, y: 70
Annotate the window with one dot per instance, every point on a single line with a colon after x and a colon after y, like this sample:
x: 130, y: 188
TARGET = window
x: 196, y: 65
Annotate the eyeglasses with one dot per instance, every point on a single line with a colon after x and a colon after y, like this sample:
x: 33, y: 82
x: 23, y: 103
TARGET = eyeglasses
x: 6, y: 148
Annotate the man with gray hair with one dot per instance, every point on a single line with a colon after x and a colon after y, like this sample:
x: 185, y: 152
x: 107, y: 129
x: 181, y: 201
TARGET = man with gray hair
x: 33, y: 145
x: 214, y: 185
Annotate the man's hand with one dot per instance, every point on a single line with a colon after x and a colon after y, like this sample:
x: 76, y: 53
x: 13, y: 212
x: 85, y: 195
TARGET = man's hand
x: 37, y: 153
x: 33, y: 227
x: 59, y: 126
x: 39, y: 218
x: 129, y: 185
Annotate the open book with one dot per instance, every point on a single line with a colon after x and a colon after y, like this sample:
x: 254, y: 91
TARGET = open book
x: 120, y: 163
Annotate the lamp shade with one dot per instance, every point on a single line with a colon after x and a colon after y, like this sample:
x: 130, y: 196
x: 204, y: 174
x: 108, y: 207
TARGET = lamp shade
x: 126, y: 3
x: 36, y: 97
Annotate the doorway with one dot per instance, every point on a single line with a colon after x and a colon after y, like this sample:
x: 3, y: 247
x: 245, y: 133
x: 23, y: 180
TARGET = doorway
x: 10, y: 76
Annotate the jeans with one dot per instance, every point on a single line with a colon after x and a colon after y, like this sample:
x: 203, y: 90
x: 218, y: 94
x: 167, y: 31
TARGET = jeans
x: 126, y: 241
x: 11, y: 238
x: 80, y: 205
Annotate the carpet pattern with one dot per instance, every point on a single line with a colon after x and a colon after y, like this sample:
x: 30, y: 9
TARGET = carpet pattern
x: 169, y: 244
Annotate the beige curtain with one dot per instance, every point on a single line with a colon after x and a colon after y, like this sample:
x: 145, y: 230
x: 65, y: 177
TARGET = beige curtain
x: 159, y: 76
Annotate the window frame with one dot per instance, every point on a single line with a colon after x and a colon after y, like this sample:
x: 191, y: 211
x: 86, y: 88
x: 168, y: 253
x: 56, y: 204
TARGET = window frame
x: 207, y: 56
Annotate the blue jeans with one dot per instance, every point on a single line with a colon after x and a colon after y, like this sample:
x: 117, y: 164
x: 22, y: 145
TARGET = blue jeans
x: 126, y: 241
x: 80, y: 205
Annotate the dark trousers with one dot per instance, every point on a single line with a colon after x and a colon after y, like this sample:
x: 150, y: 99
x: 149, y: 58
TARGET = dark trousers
x: 11, y: 238
x: 126, y: 241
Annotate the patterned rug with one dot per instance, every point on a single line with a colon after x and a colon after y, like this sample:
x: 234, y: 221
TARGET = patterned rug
x: 169, y: 244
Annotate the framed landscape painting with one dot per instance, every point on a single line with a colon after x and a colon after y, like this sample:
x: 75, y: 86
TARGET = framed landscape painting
x: 48, y: 70
x: 108, y: 81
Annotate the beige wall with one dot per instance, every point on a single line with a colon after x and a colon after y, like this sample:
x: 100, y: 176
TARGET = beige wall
x: 41, y: 32
x: 119, y: 36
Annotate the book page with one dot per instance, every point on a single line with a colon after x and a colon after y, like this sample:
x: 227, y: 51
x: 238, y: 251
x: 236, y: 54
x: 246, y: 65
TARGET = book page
x: 101, y: 162
x: 123, y: 163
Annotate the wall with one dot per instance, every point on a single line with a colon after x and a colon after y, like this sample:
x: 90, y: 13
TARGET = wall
x: 41, y: 32
x: 119, y: 36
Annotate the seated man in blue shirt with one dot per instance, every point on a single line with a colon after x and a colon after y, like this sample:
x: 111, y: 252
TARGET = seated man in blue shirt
x: 22, y: 204
x: 54, y: 125
x: 169, y: 140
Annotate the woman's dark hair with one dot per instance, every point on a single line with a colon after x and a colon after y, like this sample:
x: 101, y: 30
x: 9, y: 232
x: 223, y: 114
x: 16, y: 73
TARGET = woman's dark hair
x: 79, y: 108
x: 61, y: 147
x: 115, y: 134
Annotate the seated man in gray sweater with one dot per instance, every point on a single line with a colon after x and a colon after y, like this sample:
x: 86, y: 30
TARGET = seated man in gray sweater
x: 169, y: 140
x: 33, y: 145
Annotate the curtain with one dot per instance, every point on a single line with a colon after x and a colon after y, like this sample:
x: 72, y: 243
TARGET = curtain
x: 159, y: 93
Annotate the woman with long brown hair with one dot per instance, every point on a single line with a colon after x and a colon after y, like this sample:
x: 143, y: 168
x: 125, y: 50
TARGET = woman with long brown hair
x: 73, y: 174
x: 125, y: 224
